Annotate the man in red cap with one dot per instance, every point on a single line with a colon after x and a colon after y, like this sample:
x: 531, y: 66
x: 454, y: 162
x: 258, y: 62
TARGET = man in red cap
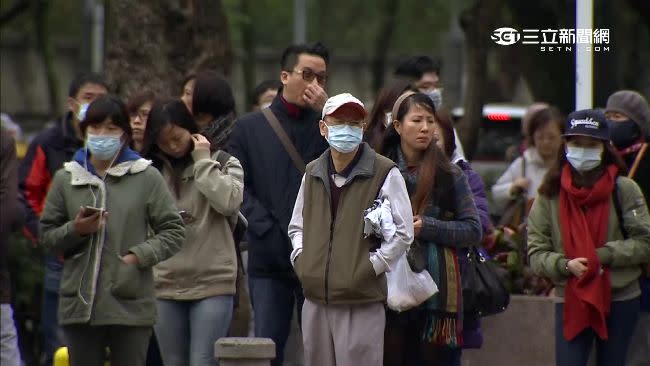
x: 342, y: 270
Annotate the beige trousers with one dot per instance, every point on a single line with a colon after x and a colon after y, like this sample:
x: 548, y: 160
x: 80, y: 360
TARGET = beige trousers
x: 343, y: 335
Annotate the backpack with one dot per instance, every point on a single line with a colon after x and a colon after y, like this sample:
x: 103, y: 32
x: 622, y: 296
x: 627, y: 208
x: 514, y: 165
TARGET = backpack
x: 238, y: 223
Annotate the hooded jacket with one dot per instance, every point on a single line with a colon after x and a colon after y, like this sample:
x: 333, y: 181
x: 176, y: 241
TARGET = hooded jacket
x: 97, y: 287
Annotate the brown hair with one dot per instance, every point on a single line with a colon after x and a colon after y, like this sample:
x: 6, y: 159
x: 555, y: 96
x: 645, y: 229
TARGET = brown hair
x: 443, y: 119
x: 542, y: 118
x: 432, y: 160
x: 136, y: 101
x: 550, y: 186
x: 375, y: 123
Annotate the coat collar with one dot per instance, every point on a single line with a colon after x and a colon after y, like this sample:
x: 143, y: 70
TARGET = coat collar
x: 365, y: 167
x: 81, y: 176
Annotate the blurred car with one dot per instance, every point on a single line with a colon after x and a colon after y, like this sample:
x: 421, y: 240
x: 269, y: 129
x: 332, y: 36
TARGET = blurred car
x: 499, y: 137
x: 500, y: 128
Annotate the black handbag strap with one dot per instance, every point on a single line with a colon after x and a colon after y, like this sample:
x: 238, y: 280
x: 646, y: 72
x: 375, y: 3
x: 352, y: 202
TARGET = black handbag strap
x: 284, y: 139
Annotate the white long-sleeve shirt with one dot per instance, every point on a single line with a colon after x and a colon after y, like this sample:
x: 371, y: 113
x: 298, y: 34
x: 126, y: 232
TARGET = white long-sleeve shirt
x: 394, y: 190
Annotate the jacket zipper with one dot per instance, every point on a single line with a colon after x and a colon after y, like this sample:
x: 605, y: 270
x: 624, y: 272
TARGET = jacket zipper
x: 327, y: 264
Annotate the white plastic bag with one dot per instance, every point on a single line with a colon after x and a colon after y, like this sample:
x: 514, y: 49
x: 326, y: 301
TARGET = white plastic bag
x: 407, y: 289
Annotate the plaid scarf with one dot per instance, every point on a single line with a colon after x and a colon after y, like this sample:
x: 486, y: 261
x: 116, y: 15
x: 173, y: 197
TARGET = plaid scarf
x: 444, y: 321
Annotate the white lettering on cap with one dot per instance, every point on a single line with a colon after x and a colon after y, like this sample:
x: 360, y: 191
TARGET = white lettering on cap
x: 587, y: 122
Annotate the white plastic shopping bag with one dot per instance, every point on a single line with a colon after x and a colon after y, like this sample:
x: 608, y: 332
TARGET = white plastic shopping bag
x: 407, y: 289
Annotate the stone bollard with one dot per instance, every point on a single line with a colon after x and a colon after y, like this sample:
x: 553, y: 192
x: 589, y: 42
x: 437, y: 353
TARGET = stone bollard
x: 233, y: 351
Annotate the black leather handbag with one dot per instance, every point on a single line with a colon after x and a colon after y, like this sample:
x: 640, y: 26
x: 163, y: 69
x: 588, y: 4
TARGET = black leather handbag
x: 483, y: 291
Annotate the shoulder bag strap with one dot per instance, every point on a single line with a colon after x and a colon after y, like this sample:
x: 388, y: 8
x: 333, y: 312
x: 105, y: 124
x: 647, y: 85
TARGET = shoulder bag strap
x: 637, y: 161
x: 284, y: 139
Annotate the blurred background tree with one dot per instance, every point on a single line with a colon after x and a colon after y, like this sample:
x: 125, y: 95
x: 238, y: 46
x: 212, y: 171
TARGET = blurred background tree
x: 155, y: 44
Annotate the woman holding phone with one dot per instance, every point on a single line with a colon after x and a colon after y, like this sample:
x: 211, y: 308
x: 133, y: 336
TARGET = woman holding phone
x: 98, y: 214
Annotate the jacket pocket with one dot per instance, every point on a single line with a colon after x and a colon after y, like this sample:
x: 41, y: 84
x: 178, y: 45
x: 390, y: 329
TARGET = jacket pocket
x: 127, y: 281
x: 366, y: 282
x: 73, y: 269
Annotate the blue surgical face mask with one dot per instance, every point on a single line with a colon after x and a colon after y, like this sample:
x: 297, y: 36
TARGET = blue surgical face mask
x: 436, y: 97
x: 584, y: 159
x: 81, y: 113
x: 103, y: 147
x: 344, y: 138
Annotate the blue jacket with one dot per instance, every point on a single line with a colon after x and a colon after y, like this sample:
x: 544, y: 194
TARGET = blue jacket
x: 271, y: 182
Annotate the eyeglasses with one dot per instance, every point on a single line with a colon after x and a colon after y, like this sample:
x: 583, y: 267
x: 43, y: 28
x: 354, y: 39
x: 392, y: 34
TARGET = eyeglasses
x: 309, y: 75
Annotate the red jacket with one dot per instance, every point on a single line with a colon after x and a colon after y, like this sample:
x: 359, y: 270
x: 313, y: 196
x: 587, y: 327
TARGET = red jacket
x: 45, y: 155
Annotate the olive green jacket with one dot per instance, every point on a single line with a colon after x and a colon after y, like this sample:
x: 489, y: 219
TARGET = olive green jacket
x: 623, y: 257
x: 97, y: 287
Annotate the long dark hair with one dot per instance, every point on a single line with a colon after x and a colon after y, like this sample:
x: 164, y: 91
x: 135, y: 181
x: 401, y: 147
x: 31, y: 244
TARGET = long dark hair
x: 375, y: 123
x: 163, y: 114
x: 443, y: 118
x: 550, y: 186
x: 432, y: 160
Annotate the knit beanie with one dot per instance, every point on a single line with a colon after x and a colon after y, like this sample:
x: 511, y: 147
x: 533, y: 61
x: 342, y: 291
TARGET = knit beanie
x: 633, y: 105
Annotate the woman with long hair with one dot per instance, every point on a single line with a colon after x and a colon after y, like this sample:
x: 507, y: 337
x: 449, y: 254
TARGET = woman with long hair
x: 589, y: 231
x: 195, y: 289
x: 445, y: 221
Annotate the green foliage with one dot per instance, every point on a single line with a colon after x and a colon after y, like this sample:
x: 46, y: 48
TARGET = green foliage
x: 342, y: 24
x: 508, y: 250
x: 64, y: 17
x: 26, y: 268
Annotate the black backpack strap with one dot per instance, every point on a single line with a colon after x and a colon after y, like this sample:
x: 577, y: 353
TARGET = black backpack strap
x: 222, y: 158
x: 619, y: 210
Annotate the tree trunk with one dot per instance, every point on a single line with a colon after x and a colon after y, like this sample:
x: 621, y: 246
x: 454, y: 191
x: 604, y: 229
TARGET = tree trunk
x: 388, y: 18
x: 477, y: 23
x: 153, y: 44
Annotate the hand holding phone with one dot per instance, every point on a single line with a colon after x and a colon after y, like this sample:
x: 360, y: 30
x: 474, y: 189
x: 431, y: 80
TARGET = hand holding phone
x: 90, y: 210
x: 88, y: 221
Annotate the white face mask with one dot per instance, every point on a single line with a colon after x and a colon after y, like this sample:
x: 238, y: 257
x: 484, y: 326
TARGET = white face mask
x: 584, y: 159
x: 436, y: 97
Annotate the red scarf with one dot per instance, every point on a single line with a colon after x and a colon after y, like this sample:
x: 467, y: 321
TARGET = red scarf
x: 584, y: 219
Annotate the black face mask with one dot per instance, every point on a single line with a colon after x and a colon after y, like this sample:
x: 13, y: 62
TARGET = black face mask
x: 624, y: 133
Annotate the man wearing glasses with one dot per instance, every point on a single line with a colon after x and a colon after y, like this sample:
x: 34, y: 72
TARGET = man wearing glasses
x: 272, y: 178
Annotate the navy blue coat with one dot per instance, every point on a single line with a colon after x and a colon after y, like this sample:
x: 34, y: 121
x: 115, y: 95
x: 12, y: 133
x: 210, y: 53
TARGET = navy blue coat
x: 271, y: 182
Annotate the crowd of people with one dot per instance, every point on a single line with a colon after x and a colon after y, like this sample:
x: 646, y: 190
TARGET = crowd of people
x: 138, y: 204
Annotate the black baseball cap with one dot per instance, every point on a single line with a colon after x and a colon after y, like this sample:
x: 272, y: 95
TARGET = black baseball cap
x: 587, y: 122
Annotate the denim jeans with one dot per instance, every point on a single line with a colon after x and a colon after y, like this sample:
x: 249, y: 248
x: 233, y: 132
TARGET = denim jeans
x: 9, y: 352
x: 273, y: 302
x: 51, y: 332
x: 621, y: 324
x: 186, y: 330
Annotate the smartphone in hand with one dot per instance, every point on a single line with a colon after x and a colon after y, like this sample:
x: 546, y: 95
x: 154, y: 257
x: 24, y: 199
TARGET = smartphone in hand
x: 92, y: 210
